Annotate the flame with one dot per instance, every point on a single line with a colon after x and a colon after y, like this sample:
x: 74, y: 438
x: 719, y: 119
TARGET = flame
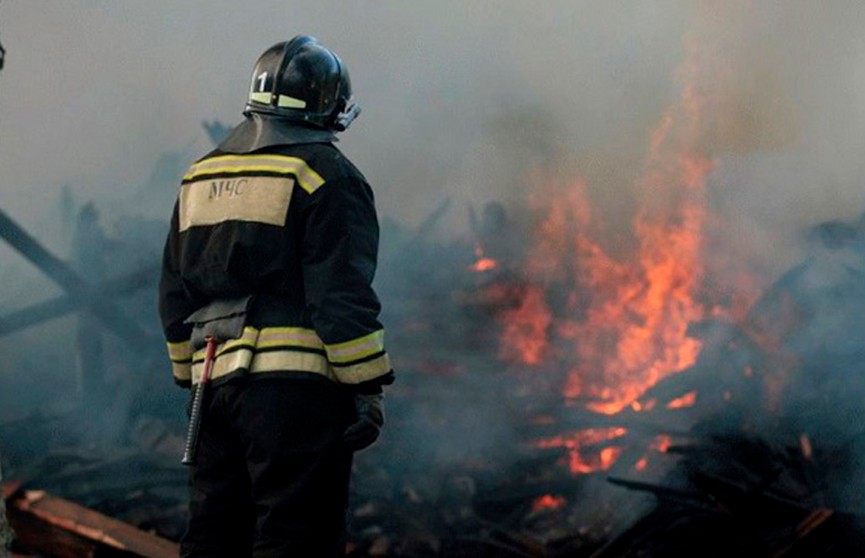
x: 618, y: 322
x: 524, y: 337
x: 686, y: 400
x: 659, y: 444
x: 548, y: 502
x: 662, y: 443
x: 484, y: 264
x: 625, y: 319
x: 578, y: 462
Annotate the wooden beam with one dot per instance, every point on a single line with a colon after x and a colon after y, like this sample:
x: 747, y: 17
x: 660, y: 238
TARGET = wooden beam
x: 61, y: 273
x: 53, y: 526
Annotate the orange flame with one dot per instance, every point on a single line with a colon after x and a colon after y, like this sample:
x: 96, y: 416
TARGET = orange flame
x: 578, y: 463
x: 686, y: 400
x: 524, y: 338
x: 548, y: 502
x: 662, y: 443
x: 626, y: 319
x: 617, y: 323
x: 484, y: 264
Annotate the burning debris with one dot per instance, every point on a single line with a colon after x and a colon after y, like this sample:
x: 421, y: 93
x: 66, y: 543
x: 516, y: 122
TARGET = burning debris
x: 734, y: 494
x: 727, y: 416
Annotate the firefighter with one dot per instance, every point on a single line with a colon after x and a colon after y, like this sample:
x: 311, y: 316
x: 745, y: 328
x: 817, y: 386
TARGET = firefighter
x: 277, y: 212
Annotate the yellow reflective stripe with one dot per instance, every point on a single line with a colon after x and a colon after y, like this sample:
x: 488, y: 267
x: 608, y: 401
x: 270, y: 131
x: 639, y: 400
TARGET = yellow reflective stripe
x: 308, y: 179
x: 290, y: 102
x: 269, y: 337
x: 247, y: 339
x: 356, y: 349
x: 290, y: 361
x: 224, y: 364
x: 181, y: 371
x: 259, y: 97
x: 179, y: 351
x: 296, y: 336
x: 357, y: 373
x: 243, y: 353
x: 268, y: 361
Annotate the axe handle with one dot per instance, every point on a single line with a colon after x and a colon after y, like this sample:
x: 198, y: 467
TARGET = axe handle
x: 190, y: 452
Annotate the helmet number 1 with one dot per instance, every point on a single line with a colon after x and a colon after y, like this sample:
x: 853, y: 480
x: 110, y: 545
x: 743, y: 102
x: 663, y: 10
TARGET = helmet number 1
x: 262, y: 78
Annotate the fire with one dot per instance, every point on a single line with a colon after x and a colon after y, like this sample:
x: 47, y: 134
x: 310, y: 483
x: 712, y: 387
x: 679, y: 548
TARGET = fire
x: 525, y: 329
x: 662, y: 443
x: 616, y: 320
x: 686, y: 400
x: 626, y: 320
x: 548, y: 502
x: 484, y: 264
x: 578, y: 460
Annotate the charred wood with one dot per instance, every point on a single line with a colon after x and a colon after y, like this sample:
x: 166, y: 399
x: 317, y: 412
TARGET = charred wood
x: 78, y: 288
x: 63, y: 305
x: 55, y: 527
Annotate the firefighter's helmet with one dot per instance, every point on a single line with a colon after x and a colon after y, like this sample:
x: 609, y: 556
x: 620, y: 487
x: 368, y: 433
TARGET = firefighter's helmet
x: 303, y: 81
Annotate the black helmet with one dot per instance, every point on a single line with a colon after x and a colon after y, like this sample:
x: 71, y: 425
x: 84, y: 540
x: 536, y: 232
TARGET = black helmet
x: 301, y: 80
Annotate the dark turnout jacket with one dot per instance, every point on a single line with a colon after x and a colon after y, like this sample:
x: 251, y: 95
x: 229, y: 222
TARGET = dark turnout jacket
x: 295, y: 226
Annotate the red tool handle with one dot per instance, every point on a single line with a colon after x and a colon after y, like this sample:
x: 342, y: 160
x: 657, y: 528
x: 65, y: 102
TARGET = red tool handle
x: 193, y: 433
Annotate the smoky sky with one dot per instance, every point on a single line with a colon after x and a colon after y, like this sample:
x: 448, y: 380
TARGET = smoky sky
x: 459, y: 99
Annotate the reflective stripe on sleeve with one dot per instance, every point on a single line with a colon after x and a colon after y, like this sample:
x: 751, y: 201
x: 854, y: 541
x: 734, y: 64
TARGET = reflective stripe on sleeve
x: 364, y: 371
x: 306, y: 177
x: 182, y: 372
x: 349, y: 352
x: 181, y: 361
x: 180, y: 352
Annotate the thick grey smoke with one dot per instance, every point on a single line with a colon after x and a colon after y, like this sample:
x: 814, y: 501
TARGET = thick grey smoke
x: 95, y: 91
x: 460, y: 101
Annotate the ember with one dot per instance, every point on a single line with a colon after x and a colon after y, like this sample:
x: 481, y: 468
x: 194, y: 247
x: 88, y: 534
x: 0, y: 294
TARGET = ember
x: 686, y: 400
x: 574, y: 443
x: 548, y: 502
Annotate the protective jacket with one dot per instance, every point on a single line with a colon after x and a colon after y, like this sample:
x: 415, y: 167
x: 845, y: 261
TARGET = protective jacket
x: 295, y: 226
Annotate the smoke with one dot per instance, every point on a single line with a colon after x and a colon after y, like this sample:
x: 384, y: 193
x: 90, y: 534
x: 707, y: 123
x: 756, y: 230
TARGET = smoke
x: 462, y: 101
x: 95, y: 92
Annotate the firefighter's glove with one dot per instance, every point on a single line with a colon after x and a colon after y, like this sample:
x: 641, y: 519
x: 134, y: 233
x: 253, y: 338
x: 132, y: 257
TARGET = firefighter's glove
x: 367, y: 426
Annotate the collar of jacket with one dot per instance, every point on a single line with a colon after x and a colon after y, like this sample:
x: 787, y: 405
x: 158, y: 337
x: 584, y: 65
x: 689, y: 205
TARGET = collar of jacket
x: 261, y: 130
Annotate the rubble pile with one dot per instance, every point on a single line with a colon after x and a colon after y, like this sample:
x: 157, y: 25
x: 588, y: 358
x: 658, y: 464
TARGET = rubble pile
x: 492, y: 449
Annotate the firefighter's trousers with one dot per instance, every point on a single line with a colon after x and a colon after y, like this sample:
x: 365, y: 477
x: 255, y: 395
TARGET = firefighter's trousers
x: 271, y: 477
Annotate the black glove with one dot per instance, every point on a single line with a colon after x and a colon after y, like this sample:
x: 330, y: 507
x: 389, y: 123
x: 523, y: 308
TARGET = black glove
x: 370, y: 418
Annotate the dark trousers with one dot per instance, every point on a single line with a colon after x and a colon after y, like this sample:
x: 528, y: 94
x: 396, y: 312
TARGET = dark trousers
x: 271, y: 478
